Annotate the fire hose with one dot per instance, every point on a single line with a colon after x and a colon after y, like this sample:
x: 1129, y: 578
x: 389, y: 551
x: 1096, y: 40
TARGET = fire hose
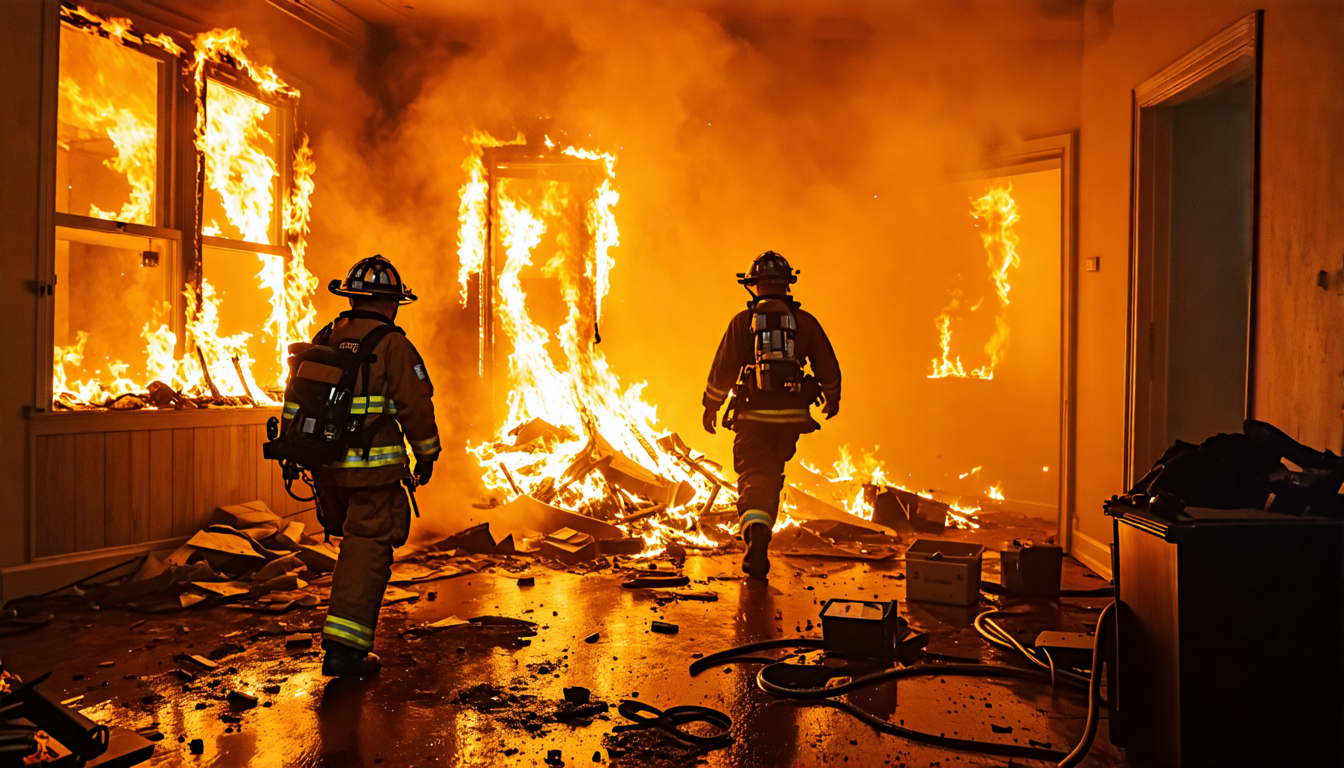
x: 826, y: 696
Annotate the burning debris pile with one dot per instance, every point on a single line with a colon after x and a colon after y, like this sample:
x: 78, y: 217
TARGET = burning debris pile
x: 573, y: 442
x: 188, y: 362
x: 575, y: 448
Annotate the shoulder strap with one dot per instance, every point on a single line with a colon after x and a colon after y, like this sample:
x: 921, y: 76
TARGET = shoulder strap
x: 324, y: 335
x: 364, y: 357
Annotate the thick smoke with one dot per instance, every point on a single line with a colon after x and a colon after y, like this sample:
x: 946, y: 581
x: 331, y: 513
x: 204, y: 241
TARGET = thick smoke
x: 815, y: 129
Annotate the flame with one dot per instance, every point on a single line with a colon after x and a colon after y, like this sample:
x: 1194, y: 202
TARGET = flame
x: 562, y: 377
x: 97, y: 104
x: 995, y: 493
x: 998, y: 212
x: 237, y: 164
x: 849, y: 478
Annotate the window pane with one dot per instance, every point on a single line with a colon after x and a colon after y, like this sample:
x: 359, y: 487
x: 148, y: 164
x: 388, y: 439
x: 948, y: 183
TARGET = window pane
x: 107, y: 130
x: 245, y: 306
x: 113, y: 314
x: 240, y: 165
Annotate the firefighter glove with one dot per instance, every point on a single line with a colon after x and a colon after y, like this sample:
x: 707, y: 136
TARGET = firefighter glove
x: 424, y: 469
x: 711, y: 415
x: 832, y: 407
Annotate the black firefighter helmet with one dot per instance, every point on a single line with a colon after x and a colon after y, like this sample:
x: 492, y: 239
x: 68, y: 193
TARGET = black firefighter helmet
x: 374, y: 277
x: 769, y: 266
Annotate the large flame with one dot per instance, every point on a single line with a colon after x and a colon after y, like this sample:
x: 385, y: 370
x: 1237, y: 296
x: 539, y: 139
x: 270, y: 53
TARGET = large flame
x: 237, y: 163
x: 997, y: 213
x: 96, y: 102
x: 562, y: 377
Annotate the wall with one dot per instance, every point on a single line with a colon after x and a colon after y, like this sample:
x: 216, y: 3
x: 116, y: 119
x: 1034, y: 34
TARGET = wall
x: 21, y: 69
x: 1300, y: 355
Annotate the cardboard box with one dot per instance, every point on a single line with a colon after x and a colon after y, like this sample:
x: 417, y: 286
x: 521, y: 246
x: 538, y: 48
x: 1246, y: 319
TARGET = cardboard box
x: 946, y: 572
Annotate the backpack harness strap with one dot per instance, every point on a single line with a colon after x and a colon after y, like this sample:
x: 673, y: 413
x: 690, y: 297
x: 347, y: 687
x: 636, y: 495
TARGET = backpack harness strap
x: 369, y: 430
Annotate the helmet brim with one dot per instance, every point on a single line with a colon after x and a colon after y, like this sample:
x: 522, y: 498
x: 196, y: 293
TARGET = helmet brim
x: 403, y: 297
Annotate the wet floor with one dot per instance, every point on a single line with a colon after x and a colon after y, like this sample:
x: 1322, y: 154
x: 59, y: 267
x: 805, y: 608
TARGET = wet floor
x: 471, y: 697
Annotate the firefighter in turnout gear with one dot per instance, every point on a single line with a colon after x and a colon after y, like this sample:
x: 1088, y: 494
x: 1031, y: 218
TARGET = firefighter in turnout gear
x: 361, y: 497
x: 760, y: 363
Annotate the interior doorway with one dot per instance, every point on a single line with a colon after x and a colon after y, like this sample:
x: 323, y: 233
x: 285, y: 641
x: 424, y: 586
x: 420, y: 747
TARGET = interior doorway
x: 1194, y: 243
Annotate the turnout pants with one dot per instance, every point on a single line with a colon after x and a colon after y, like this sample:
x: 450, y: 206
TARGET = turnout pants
x: 760, y: 451
x: 374, y: 521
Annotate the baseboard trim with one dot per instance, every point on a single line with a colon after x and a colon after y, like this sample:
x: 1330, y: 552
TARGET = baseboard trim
x: 50, y: 573
x: 1092, y: 553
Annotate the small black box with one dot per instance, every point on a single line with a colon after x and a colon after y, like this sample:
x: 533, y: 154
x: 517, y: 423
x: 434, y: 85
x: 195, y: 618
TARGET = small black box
x: 860, y: 629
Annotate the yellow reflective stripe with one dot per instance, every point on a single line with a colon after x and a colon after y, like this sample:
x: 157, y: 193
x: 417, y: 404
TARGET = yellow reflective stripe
x: 794, y: 417
x: 783, y: 412
x: 428, y: 445
x: 359, y: 630
x: 352, y: 639
x: 754, y: 516
x: 715, y: 392
x: 361, y: 406
x: 291, y: 408
x: 378, y: 457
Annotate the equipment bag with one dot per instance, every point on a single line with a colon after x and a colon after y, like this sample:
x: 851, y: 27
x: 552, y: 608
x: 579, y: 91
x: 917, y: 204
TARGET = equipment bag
x: 322, y: 382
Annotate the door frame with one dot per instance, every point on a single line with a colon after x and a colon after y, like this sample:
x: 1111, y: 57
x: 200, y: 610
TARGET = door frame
x: 1230, y: 55
x: 1041, y: 154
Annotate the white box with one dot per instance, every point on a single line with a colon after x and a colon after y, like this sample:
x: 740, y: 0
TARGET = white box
x: 945, y: 572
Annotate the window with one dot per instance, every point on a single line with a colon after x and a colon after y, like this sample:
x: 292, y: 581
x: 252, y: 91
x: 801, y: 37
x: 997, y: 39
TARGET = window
x: 107, y: 136
x: 117, y: 310
x: 135, y: 300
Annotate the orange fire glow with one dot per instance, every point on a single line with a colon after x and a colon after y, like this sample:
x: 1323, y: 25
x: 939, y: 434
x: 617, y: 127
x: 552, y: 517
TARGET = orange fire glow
x: 238, y: 164
x: 562, y: 377
x: 997, y: 213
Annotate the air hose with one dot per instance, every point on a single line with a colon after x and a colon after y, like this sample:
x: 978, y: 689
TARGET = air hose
x: 827, y: 695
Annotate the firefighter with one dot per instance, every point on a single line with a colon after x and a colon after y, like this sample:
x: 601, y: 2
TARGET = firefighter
x: 361, y: 498
x: 760, y: 362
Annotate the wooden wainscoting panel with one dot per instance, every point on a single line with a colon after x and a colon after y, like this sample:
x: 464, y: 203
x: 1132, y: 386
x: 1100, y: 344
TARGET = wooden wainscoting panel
x: 184, y: 479
x: 140, y: 497
x: 159, y: 466
x: 205, y: 491
x: 90, y: 491
x: 55, y: 527
x: 117, y: 489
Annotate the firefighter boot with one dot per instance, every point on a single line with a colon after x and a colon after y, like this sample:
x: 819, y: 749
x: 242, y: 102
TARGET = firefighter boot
x: 344, y: 661
x: 756, y: 562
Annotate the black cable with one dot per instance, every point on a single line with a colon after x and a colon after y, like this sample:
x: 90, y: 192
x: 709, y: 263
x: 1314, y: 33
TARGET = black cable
x: 83, y: 579
x: 733, y: 654
x: 995, y: 635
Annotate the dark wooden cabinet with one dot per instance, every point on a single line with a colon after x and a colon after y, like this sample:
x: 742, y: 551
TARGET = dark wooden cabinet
x: 1230, y: 648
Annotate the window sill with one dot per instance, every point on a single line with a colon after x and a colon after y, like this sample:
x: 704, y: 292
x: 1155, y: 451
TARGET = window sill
x: 106, y: 420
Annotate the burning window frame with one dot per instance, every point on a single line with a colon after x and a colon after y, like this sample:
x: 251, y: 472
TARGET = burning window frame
x: 186, y: 66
